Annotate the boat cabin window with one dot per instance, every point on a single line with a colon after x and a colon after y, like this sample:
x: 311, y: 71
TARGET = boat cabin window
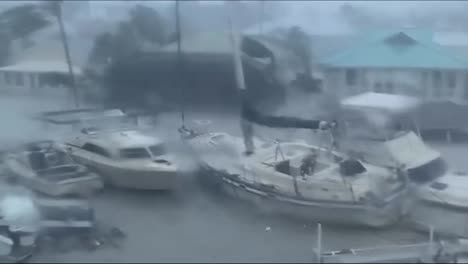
x: 307, y: 167
x: 283, y: 167
x: 428, y: 171
x: 37, y: 159
x: 58, y: 158
x: 95, y: 149
x: 439, y: 186
x: 134, y: 153
x: 351, y: 167
x: 157, y: 150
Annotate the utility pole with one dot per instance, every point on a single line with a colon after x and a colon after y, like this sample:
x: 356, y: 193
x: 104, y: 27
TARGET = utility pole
x: 262, y: 16
x: 57, y: 9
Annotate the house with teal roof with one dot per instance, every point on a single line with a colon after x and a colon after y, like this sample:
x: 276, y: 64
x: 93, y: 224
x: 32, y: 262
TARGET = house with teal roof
x: 405, y: 61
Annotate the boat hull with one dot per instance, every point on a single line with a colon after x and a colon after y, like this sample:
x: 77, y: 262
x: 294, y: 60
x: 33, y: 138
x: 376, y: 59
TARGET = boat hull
x: 81, y: 186
x: 84, y: 188
x: 445, y: 219
x: 139, y: 179
x: 118, y: 175
x: 354, y: 214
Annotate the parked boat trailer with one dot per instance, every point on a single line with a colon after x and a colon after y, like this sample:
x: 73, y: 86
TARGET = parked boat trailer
x: 427, y: 252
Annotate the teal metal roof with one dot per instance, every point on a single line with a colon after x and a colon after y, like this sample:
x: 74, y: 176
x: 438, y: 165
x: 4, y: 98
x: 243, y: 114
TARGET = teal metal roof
x: 374, y: 51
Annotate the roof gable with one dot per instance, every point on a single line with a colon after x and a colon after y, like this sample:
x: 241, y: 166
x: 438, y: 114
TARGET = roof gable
x: 398, y: 49
x: 400, y: 40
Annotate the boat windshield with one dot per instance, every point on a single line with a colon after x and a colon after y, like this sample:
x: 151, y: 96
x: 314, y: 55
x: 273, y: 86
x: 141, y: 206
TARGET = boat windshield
x: 135, y: 153
x: 428, y: 171
x: 157, y: 150
x: 64, y: 158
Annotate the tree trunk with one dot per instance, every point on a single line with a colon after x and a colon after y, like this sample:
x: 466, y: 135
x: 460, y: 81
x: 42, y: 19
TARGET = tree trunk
x: 67, y: 52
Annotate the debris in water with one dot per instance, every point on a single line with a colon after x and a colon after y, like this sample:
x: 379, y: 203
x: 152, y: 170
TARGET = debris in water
x: 267, y: 228
x: 117, y: 233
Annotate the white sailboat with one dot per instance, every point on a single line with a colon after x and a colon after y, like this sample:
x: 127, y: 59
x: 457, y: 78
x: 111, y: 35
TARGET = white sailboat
x: 295, y: 178
x: 301, y: 180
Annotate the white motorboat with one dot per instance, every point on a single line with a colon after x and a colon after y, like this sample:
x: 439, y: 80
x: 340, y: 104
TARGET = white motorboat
x: 439, y: 195
x: 126, y: 158
x: 19, y: 225
x: 301, y: 180
x: 110, y: 143
x: 46, y: 167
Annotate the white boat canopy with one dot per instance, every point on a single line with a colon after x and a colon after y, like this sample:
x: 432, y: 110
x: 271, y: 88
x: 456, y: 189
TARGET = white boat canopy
x: 78, y: 115
x: 389, y: 103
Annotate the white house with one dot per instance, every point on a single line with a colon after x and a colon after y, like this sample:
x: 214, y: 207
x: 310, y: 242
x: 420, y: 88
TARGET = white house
x: 406, y: 61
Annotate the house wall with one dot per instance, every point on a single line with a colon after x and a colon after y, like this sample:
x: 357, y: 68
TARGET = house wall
x: 26, y: 83
x: 427, y: 84
x: 18, y: 82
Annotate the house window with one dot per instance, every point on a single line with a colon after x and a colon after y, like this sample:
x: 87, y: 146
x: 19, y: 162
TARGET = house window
x: 424, y: 83
x: 32, y: 80
x: 19, y: 79
x: 378, y: 87
x: 42, y: 80
x: 351, y: 77
x: 451, y: 80
x: 389, y: 87
x: 7, y: 78
x: 437, y: 83
x: 451, y: 83
x: 466, y: 87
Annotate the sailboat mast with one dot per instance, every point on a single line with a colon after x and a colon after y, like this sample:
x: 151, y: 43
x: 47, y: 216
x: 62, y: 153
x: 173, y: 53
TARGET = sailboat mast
x: 179, y: 62
x: 246, y: 126
x: 239, y: 72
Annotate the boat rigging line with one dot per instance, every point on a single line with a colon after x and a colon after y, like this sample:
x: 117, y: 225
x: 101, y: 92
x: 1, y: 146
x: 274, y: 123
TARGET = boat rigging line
x: 249, y: 114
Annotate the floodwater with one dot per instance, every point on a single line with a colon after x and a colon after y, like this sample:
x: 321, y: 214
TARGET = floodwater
x: 190, y: 225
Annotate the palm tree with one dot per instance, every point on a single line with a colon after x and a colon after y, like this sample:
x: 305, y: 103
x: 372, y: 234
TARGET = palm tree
x: 55, y: 8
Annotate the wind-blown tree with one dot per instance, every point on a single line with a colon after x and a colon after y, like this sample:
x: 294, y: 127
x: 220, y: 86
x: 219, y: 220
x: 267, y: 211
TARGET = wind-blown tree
x: 144, y: 26
x: 126, y: 41
x: 300, y: 44
x: 148, y: 24
x: 5, y: 41
x: 18, y: 23
x: 23, y: 20
x: 102, y: 52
